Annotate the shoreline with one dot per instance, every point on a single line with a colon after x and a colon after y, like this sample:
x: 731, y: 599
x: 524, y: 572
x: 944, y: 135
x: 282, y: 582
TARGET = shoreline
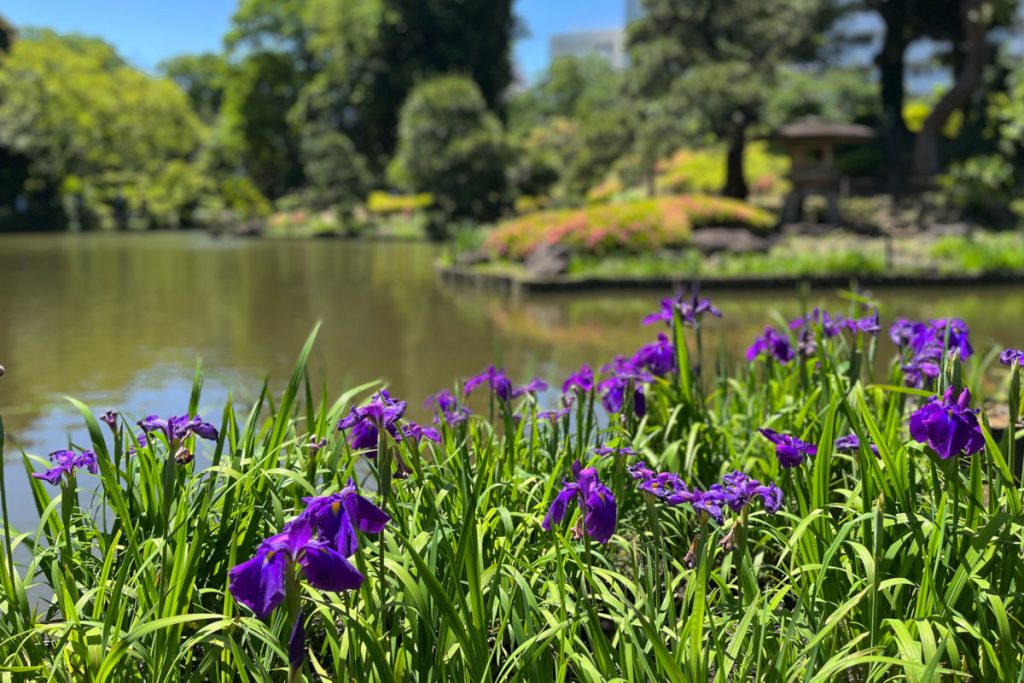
x: 467, y: 277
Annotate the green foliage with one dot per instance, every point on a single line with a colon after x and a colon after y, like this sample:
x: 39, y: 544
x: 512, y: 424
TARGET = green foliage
x: 834, y: 94
x: 452, y: 147
x: 982, y: 253
x: 370, y: 54
x: 703, y: 170
x: 203, y: 77
x: 603, y: 139
x: 92, y: 128
x: 386, y: 203
x: 337, y: 174
x: 571, y: 87
x: 73, y: 107
x: 257, y: 131
x: 635, y: 226
x: 719, y: 59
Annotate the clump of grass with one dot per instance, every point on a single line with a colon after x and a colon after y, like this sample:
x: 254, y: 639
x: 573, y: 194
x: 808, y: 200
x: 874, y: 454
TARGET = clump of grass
x: 898, y: 565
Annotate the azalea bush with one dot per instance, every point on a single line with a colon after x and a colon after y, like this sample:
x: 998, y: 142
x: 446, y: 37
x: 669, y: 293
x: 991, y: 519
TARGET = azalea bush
x: 636, y: 226
x: 833, y: 506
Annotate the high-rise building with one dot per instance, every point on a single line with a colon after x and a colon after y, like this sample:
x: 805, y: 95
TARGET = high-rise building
x: 634, y: 10
x: 609, y: 43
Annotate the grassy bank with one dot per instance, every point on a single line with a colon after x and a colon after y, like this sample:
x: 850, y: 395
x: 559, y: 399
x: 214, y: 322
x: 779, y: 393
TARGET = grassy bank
x: 237, y: 549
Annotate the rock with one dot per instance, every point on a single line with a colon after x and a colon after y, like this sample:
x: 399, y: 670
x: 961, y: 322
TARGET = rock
x: 733, y: 240
x: 250, y: 228
x: 472, y: 258
x: 949, y: 230
x: 547, y: 261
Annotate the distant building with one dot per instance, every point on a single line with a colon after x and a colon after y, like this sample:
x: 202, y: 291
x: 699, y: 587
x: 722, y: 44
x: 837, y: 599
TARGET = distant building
x: 609, y: 43
x: 634, y: 10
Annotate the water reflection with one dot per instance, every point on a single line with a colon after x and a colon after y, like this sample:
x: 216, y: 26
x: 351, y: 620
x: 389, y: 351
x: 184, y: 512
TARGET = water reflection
x: 120, y: 320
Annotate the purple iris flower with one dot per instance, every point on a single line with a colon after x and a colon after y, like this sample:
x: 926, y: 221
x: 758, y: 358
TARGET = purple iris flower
x: 738, y: 490
x: 710, y: 503
x: 415, y: 432
x: 177, y: 428
x: 554, y: 415
x: 663, y: 315
x: 66, y: 462
x: 831, y: 325
x: 932, y: 339
x: 658, y: 358
x: 611, y: 450
x: 1011, y: 356
x: 319, y: 541
x: 315, y: 445
x: 949, y: 427
x: 868, y: 325
x: 850, y: 443
x: 497, y: 379
x: 337, y: 517
x: 790, y: 450
x: 903, y: 331
x: 773, y: 344
x: 622, y: 372
x: 640, y: 470
x: 110, y: 419
x: 365, y: 422
x: 691, y: 308
x: 613, y: 396
x: 259, y: 583
x: 923, y: 368
x: 596, y: 501
x: 807, y: 343
x: 666, y: 485
x: 532, y: 388
x: 953, y: 332
x: 582, y: 379
x: 447, y: 407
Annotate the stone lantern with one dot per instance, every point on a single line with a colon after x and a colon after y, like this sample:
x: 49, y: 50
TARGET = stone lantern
x: 811, y: 144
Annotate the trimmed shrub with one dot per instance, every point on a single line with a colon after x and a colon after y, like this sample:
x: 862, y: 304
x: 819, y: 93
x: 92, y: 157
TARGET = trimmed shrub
x: 385, y: 203
x: 637, y: 226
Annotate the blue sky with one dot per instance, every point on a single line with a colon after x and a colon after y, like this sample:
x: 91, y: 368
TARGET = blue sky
x: 148, y: 31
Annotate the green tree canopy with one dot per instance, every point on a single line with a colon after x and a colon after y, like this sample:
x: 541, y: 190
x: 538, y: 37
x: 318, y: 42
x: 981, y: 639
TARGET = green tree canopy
x: 73, y: 107
x: 451, y: 146
x: 722, y: 57
x: 204, y: 78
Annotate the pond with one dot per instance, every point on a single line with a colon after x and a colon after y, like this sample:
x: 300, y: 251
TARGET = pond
x: 120, y: 321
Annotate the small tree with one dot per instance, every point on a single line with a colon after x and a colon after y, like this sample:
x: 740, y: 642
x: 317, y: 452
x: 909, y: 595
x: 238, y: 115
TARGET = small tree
x: 722, y: 56
x: 337, y: 174
x: 451, y: 146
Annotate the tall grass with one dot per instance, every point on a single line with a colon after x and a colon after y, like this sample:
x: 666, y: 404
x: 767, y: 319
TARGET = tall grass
x: 890, y: 567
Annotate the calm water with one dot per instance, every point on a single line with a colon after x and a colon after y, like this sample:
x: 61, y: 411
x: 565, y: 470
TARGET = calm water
x: 120, y: 321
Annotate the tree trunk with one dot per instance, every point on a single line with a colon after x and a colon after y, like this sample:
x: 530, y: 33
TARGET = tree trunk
x: 968, y: 80
x: 735, y: 181
x: 896, y: 140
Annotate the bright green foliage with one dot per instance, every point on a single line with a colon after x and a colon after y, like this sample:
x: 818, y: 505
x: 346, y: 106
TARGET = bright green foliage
x: 633, y: 226
x: 386, y: 203
x: 452, y: 147
x: 74, y: 108
x: 87, y: 124
x: 889, y: 567
x: 337, y: 174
